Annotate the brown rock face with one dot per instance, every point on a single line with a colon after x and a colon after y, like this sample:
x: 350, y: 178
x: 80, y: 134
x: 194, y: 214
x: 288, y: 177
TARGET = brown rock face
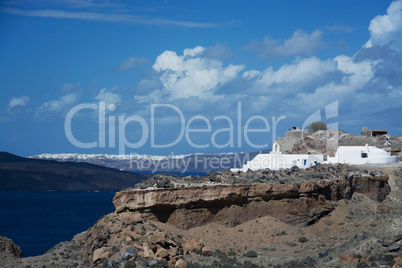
x: 297, y: 204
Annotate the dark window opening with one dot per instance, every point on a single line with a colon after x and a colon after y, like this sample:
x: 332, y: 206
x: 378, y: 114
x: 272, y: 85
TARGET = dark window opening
x: 364, y: 155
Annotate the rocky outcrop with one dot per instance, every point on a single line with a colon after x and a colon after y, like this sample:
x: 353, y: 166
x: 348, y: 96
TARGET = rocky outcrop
x: 8, y: 249
x: 327, y: 142
x: 298, y: 201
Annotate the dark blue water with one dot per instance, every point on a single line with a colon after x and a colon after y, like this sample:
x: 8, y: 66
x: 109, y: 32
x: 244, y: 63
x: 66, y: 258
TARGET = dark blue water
x: 38, y: 220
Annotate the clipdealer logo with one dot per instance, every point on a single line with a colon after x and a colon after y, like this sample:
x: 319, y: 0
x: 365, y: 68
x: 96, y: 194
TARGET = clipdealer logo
x: 148, y: 130
x: 112, y: 130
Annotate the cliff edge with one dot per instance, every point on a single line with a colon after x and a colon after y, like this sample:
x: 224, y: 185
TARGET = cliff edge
x: 294, y: 196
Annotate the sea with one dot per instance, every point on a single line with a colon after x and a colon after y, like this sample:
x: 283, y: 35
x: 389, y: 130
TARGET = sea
x: 38, y: 220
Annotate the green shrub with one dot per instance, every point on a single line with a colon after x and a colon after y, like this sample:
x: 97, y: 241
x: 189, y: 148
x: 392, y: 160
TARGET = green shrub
x: 315, y: 126
x: 251, y: 254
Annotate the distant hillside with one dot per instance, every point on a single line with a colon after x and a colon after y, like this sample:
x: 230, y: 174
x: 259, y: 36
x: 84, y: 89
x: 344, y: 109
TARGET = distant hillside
x: 19, y: 173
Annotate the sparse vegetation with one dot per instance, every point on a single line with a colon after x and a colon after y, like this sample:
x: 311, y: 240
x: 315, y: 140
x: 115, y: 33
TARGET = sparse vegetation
x: 250, y: 254
x: 290, y: 243
x: 315, y: 126
x: 231, y: 253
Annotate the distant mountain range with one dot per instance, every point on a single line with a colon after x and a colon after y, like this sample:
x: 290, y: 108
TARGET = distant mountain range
x: 19, y: 173
x: 190, y: 163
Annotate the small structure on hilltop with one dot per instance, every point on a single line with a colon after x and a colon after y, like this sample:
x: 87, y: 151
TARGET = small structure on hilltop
x: 293, y: 136
x: 373, y: 132
x: 353, y: 155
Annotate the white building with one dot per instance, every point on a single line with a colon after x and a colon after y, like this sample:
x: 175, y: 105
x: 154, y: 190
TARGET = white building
x: 353, y: 155
x: 357, y: 155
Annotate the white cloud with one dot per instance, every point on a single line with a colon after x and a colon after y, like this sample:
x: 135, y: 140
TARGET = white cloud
x: 131, y: 62
x: 299, y: 44
x: 191, y: 75
x: 58, y: 105
x: 300, y: 72
x: 366, y: 84
x: 250, y: 74
x: 355, y: 77
x: 108, y: 96
x: 387, y: 28
x: 356, y: 73
x: 62, y: 104
x: 17, y: 101
x: 20, y: 101
x: 103, y: 17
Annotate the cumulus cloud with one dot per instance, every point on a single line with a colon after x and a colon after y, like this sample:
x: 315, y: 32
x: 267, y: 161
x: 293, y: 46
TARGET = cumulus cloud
x: 17, y: 101
x: 365, y: 85
x: 355, y: 77
x: 129, y: 63
x: 299, y: 44
x: 191, y: 75
x: 302, y: 85
x: 387, y: 28
x: 300, y: 72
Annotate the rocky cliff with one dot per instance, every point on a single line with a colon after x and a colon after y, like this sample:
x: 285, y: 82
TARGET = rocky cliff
x: 303, y: 198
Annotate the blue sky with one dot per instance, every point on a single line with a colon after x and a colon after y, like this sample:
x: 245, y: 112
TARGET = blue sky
x: 282, y: 59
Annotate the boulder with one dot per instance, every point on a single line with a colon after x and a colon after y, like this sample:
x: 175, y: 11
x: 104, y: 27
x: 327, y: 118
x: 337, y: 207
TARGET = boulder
x: 148, y: 253
x: 128, y: 253
x: 206, y: 251
x: 394, y: 247
x: 308, y: 260
x: 398, y: 261
x: 98, y: 253
x: 181, y: 263
x: 192, y: 244
x: 162, y: 253
x: 158, y: 238
x: 324, y: 253
x: 173, y: 251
